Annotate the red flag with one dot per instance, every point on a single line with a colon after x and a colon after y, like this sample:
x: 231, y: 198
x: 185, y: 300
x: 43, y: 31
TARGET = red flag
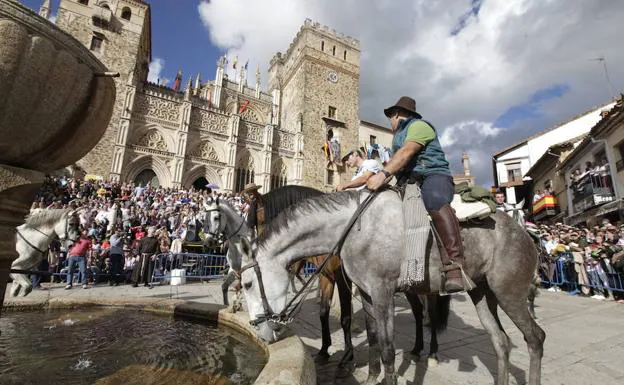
x: 243, y: 108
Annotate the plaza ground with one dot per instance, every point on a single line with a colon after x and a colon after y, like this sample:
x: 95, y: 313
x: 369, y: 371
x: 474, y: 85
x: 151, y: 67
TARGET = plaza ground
x: 584, y: 337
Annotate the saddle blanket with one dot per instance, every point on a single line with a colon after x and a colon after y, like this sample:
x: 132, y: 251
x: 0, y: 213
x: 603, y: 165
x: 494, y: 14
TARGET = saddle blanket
x: 469, y: 210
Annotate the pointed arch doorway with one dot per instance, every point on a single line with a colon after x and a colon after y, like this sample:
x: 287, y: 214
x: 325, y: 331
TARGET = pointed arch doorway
x: 147, y: 176
x: 200, y: 183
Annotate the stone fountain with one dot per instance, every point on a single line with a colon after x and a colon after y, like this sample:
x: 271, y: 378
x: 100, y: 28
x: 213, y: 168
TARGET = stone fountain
x: 56, y: 99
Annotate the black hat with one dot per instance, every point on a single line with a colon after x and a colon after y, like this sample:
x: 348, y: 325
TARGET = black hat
x: 406, y: 104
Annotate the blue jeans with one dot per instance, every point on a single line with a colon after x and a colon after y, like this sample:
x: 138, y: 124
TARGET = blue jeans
x: 81, y: 260
x: 437, y: 191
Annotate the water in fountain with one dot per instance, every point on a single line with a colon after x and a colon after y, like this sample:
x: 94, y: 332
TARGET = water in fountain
x: 122, y: 346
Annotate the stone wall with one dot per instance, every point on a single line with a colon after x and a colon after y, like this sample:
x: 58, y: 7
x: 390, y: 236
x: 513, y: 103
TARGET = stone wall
x: 119, y: 52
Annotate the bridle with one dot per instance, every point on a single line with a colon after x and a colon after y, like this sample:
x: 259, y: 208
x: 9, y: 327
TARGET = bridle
x: 65, y: 236
x: 286, y: 316
x: 223, y: 225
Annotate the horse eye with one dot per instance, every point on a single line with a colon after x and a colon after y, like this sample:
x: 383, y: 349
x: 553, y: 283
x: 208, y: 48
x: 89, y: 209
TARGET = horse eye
x: 247, y: 285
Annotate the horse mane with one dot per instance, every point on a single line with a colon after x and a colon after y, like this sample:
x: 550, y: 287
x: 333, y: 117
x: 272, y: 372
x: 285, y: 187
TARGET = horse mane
x: 45, y: 217
x: 326, y: 202
x: 277, y: 200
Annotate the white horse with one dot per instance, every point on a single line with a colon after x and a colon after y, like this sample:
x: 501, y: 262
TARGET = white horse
x: 33, y: 238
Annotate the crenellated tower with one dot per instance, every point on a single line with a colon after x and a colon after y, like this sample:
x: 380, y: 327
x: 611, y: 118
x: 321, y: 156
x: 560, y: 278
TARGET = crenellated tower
x: 118, y: 33
x: 315, y: 87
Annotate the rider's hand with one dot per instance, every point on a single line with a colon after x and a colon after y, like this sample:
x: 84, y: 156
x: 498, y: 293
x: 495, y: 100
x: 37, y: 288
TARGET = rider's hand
x: 376, y: 181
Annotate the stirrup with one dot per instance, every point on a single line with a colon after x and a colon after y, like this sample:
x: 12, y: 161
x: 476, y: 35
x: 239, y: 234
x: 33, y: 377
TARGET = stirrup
x: 468, y: 283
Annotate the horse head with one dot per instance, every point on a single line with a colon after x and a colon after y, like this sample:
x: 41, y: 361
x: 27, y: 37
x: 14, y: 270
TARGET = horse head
x: 67, y: 228
x: 265, y: 286
x: 214, y: 226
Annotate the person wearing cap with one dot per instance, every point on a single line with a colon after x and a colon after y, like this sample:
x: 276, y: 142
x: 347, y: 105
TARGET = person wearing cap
x: 255, y: 211
x: 419, y: 159
x: 365, y: 168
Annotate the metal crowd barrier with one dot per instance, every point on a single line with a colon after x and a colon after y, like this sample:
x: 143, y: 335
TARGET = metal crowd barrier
x: 565, y: 276
x: 168, y: 266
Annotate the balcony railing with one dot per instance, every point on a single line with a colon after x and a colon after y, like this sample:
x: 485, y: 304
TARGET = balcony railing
x: 591, y: 190
x: 545, y: 206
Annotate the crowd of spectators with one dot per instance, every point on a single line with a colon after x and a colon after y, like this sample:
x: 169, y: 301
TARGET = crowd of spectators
x: 590, y: 259
x: 166, y: 214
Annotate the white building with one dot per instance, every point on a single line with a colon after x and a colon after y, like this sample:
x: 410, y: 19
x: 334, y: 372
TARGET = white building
x: 511, y: 164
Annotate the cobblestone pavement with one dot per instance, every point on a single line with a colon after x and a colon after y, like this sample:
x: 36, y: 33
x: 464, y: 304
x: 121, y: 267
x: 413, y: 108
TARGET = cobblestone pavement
x: 584, y: 338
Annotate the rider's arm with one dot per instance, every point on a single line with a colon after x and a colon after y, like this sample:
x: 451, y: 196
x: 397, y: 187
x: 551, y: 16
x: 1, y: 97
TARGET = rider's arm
x: 359, y: 181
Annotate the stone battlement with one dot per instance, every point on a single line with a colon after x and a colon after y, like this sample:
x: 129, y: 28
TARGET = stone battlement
x: 348, y: 41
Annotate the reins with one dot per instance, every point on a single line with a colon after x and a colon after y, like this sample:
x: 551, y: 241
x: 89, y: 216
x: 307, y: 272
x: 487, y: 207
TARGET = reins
x: 295, y: 304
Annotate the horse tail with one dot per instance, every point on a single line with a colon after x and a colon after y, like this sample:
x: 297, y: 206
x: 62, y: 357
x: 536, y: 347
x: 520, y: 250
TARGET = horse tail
x: 441, y: 309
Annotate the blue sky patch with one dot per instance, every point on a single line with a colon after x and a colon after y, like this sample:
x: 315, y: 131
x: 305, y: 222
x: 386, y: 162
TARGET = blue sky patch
x: 475, y: 7
x: 531, y: 108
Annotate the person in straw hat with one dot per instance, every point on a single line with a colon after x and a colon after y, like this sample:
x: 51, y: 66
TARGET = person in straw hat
x: 255, y: 211
x: 419, y: 159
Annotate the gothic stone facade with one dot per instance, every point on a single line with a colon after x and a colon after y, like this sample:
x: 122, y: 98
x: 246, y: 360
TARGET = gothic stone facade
x: 220, y: 131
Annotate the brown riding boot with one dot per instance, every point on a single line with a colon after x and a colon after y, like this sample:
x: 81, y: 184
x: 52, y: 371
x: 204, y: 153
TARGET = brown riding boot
x: 447, y: 226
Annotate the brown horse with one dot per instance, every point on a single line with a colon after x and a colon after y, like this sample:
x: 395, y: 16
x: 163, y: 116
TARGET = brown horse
x: 274, y: 202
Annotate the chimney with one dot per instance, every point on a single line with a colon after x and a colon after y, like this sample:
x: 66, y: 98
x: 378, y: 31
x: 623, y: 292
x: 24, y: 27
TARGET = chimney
x: 466, y: 163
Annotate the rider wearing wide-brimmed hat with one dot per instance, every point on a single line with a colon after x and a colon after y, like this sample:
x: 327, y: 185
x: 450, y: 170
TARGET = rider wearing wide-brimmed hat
x: 419, y: 158
x: 255, y: 212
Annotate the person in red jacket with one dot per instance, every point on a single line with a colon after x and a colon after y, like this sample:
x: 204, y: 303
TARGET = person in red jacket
x: 78, y: 254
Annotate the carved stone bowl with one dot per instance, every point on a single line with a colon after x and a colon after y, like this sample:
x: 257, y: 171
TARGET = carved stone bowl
x: 54, y: 105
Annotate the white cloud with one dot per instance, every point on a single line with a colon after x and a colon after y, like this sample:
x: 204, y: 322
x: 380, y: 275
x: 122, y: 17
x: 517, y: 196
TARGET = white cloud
x: 499, y: 59
x: 155, y: 69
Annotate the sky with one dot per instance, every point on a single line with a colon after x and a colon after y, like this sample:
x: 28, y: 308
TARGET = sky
x: 486, y: 73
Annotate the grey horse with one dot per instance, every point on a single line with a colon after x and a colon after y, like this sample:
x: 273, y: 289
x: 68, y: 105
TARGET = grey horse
x: 500, y: 259
x: 221, y: 218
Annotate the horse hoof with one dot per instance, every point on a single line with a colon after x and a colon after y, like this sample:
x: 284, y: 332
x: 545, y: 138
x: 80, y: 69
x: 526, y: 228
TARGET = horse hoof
x: 345, y: 370
x: 15, y: 290
x: 321, y: 358
x: 371, y: 380
x: 432, y: 362
x: 415, y: 355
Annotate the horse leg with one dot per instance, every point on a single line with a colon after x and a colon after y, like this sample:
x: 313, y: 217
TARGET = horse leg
x: 347, y: 362
x: 486, y: 305
x: 417, y: 311
x: 327, y: 293
x: 374, y: 364
x: 438, y: 309
x: 383, y: 311
x: 514, y: 305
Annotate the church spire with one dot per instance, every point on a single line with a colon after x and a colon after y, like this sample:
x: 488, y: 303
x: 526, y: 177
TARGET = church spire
x: 187, y: 90
x: 258, y: 82
x: 197, y: 85
x: 44, y: 11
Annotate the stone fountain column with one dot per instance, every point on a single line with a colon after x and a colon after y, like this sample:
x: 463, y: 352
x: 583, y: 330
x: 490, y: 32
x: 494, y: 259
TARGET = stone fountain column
x: 56, y: 99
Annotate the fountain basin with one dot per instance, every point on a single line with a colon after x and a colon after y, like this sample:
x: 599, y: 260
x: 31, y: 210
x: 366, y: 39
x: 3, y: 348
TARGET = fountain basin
x: 288, y: 362
x: 55, y: 104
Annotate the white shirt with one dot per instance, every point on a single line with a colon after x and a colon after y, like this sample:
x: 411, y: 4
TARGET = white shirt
x: 371, y: 165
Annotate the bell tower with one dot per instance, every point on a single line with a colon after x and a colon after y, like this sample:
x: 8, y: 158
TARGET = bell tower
x: 118, y: 33
x: 316, y: 86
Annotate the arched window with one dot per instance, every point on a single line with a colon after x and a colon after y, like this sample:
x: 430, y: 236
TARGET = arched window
x: 84, y: 2
x: 322, y: 46
x: 334, y: 51
x: 243, y: 176
x: 345, y: 55
x: 106, y: 6
x: 126, y: 13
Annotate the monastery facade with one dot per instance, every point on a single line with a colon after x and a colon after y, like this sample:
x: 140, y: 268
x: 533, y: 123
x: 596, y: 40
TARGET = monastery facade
x: 220, y: 131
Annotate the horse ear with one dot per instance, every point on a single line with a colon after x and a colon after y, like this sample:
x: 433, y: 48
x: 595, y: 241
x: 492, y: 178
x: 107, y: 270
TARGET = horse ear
x: 520, y: 205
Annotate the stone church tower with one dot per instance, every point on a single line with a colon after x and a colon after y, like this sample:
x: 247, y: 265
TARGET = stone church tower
x: 316, y: 86
x: 220, y: 131
x: 118, y: 33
